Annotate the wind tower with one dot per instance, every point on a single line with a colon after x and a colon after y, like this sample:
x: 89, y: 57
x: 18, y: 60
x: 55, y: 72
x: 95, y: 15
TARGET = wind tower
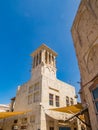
x: 41, y: 93
x: 44, y: 62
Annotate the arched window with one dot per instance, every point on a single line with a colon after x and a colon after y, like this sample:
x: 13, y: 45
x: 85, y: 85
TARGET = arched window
x: 40, y: 57
x: 71, y: 101
x: 67, y: 101
x: 46, y: 57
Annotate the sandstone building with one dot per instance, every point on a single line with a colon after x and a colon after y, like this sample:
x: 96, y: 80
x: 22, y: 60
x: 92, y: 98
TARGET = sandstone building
x: 42, y: 92
x: 85, y: 36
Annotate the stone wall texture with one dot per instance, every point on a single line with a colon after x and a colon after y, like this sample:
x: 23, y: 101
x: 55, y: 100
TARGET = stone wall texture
x: 85, y: 36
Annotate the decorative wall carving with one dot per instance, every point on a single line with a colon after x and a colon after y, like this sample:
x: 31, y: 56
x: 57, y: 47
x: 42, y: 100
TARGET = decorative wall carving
x: 91, y: 58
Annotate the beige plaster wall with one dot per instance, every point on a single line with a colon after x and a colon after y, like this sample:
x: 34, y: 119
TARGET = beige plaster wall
x: 85, y: 36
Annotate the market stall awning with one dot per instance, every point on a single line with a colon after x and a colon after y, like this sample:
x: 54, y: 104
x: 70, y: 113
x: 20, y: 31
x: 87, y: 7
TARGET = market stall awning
x: 9, y: 114
x: 69, y: 109
x: 76, y: 110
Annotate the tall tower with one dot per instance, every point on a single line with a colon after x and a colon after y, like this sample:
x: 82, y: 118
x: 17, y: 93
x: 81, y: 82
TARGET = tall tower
x: 42, y: 92
x: 44, y: 62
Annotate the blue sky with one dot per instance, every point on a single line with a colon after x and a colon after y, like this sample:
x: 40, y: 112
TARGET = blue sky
x: 24, y: 26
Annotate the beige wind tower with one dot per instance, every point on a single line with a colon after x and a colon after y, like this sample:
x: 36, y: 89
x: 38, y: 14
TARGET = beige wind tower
x: 41, y: 93
x: 44, y: 62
